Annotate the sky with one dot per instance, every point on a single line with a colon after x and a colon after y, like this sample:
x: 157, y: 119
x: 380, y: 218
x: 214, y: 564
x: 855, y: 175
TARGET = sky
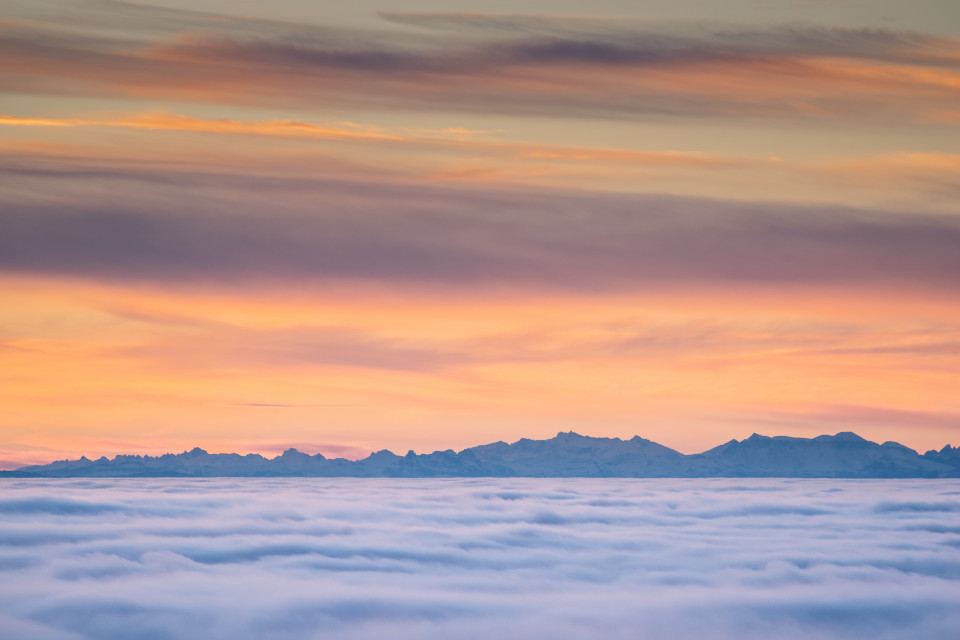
x: 425, y: 225
x: 430, y: 559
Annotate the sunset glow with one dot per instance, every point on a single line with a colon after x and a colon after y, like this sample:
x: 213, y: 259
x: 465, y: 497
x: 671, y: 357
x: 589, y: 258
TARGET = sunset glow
x: 348, y: 230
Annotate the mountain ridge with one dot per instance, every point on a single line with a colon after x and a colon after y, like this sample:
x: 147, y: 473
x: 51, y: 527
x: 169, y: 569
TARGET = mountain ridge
x: 568, y: 454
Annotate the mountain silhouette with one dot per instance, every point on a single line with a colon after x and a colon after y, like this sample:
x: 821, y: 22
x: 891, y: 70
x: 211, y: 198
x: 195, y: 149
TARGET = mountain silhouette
x: 844, y: 455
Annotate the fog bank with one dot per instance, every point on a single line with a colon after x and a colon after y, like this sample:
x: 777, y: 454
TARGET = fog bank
x: 479, y: 558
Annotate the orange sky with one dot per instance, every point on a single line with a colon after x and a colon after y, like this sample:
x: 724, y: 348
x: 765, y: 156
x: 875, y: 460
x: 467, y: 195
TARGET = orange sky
x: 423, y: 231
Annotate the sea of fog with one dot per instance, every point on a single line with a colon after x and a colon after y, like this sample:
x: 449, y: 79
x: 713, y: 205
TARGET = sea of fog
x: 479, y: 558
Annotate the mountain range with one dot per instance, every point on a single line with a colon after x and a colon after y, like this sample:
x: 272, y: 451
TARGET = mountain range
x: 844, y: 455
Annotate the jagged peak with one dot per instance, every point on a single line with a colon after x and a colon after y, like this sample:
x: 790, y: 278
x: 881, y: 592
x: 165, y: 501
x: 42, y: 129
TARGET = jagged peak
x: 947, y: 450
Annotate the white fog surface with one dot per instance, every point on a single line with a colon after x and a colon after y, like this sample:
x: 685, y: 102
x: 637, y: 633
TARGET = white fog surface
x: 492, y: 559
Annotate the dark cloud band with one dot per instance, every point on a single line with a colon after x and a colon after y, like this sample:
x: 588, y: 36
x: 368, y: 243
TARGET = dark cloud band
x: 178, y: 226
x: 490, y: 64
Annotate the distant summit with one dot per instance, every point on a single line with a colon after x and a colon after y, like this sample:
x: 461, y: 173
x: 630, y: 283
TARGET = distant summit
x: 844, y: 455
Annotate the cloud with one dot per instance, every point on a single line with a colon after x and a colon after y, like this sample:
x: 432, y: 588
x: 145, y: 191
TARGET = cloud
x: 174, y: 122
x: 650, y: 43
x: 565, y: 559
x: 277, y: 405
x: 208, y: 226
x: 53, y: 506
x: 451, y: 139
x: 847, y: 415
x: 926, y: 348
x: 492, y: 64
x: 642, y: 40
x: 294, y: 347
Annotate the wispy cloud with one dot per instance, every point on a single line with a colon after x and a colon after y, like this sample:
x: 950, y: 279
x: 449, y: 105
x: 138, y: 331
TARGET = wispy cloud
x: 161, y: 121
x: 852, y: 416
x: 510, y: 64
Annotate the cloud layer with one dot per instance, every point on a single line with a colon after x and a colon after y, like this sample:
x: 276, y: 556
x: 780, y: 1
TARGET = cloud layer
x: 479, y: 559
x: 219, y: 226
x: 524, y: 65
